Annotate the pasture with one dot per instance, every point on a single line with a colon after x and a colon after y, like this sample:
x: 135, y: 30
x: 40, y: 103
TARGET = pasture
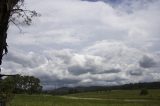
x: 103, y: 98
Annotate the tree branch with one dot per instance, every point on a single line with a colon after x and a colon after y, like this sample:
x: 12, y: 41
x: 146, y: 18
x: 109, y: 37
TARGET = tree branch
x: 16, y: 25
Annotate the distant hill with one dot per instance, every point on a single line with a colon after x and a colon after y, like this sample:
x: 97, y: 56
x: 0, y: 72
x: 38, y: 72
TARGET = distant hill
x: 131, y: 86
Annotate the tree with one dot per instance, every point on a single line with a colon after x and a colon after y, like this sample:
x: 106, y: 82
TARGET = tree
x: 11, y: 11
x: 21, y: 84
x: 6, y: 88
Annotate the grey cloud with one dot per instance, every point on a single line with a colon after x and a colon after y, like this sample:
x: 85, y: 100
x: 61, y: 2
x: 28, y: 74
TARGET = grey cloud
x: 67, y: 81
x: 90, y: 65
x: 111, y: 71
x: 147, y: 62
x: 26, y: 60
x: 80, y: 69
x: 62, y: 82
x: 137, y: 72
x: 109, y: 78
x: 65, y: 55
x: 77, y: 70
x: 113, y: 1
x: 56, y: 82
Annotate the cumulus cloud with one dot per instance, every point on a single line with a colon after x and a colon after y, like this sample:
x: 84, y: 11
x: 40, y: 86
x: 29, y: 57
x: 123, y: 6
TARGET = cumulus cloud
x: 78, y: 42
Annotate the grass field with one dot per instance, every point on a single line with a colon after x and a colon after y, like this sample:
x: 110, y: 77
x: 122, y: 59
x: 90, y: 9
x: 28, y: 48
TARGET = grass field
x: 113, y: 98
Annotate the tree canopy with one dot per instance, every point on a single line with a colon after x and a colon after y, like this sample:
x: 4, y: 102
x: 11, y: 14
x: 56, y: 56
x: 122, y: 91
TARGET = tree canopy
x: 21, y: 84
x: 12, y: 85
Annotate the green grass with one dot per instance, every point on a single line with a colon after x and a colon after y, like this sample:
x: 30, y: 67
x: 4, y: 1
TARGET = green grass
x: 120, y: 94
x: 153, y: 99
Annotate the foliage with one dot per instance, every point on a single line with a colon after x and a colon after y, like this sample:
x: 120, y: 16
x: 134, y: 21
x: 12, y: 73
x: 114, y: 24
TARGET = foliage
x: 144, y: 92
x: 21, y: 15
x: 18, y: 84
x: 6, y: 92
x: 21, y: 84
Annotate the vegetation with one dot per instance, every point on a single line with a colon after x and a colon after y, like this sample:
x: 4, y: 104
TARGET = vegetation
x: 21, y: 84
x: 18, y: 84
x: 113, y: 98
x: 154, y: 94
x: 6, y: 91
x: 144, y: 92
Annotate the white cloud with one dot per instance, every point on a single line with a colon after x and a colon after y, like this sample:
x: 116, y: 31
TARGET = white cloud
x: 80, y: 43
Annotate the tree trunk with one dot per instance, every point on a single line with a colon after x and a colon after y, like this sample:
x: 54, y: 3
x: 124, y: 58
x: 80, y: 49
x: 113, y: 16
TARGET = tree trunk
x: 5, y: 9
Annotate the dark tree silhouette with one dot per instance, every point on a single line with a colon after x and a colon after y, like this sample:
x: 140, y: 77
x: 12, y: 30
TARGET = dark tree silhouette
x: 144, y: 92
x: 11, y: 11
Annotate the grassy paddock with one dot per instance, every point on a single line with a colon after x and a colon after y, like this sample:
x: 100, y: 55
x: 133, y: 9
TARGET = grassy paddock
x: 120, y: 94
x: 118, y: 99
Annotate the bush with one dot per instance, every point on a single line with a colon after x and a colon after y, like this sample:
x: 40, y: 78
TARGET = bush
x: 144, y: 92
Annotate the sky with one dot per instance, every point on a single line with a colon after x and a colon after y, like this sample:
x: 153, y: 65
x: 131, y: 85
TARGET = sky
x: 87, y: 42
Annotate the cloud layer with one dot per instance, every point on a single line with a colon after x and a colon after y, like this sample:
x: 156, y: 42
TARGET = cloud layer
x: 88, y: 43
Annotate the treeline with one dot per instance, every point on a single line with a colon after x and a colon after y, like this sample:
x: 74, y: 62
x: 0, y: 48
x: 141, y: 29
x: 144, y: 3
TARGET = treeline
x: 147, y: 85
x: 134, y: 86
x: 20, y: 84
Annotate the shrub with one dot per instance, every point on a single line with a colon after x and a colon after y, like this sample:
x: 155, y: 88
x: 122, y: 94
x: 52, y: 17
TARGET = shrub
x: 144, y: 92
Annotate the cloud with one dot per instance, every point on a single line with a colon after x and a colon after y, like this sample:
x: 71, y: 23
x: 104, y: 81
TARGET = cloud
x: 77, y: 70
x: 112, y: 71
x: 147, y: 62
x: 136, y: 72
x: 113, y: 64
x: 27, y: 60
x: 78, y: 42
